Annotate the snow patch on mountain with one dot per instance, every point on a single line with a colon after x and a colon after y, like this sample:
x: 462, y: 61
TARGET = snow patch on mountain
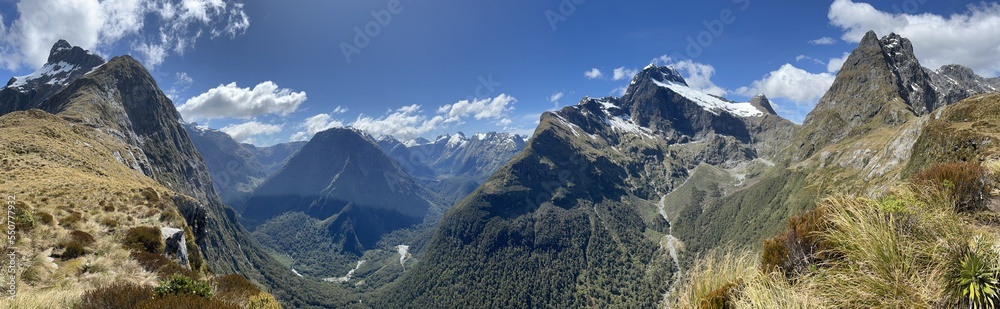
x: 710, y: 103
x: 51, y: 72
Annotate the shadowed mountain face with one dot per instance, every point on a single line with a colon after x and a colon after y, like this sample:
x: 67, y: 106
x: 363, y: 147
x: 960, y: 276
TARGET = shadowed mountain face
x: 237, y: 169
x: 341, y: 176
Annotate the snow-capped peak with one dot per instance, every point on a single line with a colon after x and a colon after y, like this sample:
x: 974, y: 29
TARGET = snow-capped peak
x: 710, y: 103
x: 52, y: 74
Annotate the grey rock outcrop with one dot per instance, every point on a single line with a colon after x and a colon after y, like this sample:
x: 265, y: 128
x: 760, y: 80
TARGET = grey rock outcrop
x: 175, y: 245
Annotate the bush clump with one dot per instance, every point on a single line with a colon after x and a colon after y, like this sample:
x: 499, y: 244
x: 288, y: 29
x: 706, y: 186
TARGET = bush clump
x: 116, y: 296
x: 73, y: 250
x: 71, y: 219
x: 44, y: 217
x: 144, y: 239
x: 161, y: 265
x: 800, y: 245
x: 186, y: 301
x: 974, y: 281
x: 81, y: 237
x: 967, y: 183
x: 180, y: 285
x: 263, y: 301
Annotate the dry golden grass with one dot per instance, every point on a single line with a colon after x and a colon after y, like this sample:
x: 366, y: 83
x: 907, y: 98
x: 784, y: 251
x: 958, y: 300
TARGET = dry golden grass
x: 69, y: 172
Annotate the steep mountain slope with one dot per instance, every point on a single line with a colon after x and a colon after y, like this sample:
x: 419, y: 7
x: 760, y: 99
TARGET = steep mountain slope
x: 120, y: 99
x: 342, y: 177
x: 576, y: 218
x: 858, y: 140
x: 237, y: 169
x: 68, y: 187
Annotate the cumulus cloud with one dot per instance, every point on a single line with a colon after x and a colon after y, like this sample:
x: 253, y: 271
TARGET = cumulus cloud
x: 835, y: 64
x: 823, y: 41
x: 791, y: 83
x: 697, y: 75
x: 489, y: 108
x: 339, y: 110
x: 245, y: 132
x: 593, y: 74
x: 231, y: 101
x: 412, y: 121
x: 623, y: 73
x: 96, y: 25
x: 970, y: 38
x: 320, y: 123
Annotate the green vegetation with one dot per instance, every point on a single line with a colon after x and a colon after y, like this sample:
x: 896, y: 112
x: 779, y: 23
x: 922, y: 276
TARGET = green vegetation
x: 179, y: 285
x: 144, y: 239
x: 116, y: 296
x: 911, y: 248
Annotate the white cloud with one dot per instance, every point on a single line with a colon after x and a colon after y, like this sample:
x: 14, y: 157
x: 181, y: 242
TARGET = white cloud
x: 823, y: 41
x: 697, y: 75
x: 339, y: 110
x: 593, y: 74
x: 619, y: 91
x: 623, y: 73
x: 320, y: 123
x: 245, y: 132
x: 231, y: 101
x: 801, y: 58
x: 405, y: 123
x: 836, y: 63
x: 96, y: 25
x: 494, y: 108
x: 182, y: 81
x: 970, y: 38
x: 555, y: 97
x: 791, y: 83
x: 412, y: 121
x: 300, y: 136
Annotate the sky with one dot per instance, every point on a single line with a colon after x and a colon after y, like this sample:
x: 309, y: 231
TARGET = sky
x: 269, y: 72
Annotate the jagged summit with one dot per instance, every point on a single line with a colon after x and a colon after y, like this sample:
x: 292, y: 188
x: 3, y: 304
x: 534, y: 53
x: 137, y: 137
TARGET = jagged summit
x: 65, y: 64
x: 762, y: 104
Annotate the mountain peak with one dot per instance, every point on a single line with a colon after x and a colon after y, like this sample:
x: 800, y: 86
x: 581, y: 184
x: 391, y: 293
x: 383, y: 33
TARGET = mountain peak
x: 763, y: 104
x: 62, y: 51
x: 663, y: 74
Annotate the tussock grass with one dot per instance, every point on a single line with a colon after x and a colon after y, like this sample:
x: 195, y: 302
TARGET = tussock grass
x: 909, y: 248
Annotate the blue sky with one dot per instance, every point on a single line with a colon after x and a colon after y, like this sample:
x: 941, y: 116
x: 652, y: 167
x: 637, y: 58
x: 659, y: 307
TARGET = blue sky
x: 435, y: 67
